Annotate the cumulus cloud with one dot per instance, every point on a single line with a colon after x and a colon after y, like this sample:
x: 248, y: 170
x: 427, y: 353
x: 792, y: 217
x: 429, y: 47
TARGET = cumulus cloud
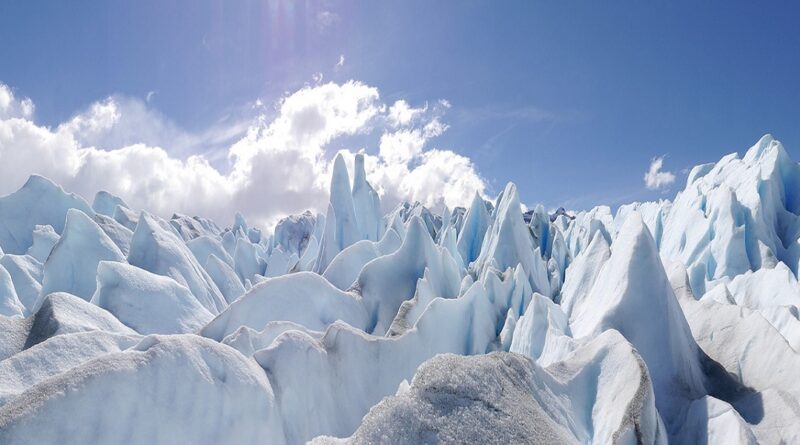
x: 655, y: 178
x: 270, y: 167
x: 402, y: 114
x: 11, y: 107
x: 120, y: 121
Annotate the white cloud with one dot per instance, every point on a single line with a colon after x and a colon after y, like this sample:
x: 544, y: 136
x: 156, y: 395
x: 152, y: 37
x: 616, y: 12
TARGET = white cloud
x: 11, y: 107
x: 403, y: 146
x: 654, y: 178
x: 119, y: 121
x: 272, y: 167
x: 402, y: 114
x: 340, y: 63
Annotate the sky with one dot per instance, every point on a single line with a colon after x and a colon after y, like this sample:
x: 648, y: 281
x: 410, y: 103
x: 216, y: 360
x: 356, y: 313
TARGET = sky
x: 208, y: 107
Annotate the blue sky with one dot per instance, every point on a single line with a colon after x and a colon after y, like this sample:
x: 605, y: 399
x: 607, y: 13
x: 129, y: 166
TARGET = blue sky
x: 570, y: 100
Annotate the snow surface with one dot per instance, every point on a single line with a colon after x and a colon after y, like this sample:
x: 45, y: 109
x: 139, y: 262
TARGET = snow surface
x: 670, y: 321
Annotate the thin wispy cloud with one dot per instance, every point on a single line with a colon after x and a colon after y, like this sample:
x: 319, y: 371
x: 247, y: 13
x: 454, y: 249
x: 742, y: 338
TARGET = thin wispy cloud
x: 528, y: 114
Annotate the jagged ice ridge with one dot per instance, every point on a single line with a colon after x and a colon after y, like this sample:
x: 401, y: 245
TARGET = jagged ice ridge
x: 670, y: 321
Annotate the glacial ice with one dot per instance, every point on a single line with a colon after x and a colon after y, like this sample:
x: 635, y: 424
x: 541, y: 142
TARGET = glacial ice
x: 158, y: 250
x: 72, y: 265
x: 633, y: 295
x: 304, y: 298
x: 106, y: 203
x: 366, y: 204
x: 203, y: 246
x: 54, y: 356
x: 59, y: 314
x: 119, y: 234
x: 294, y: 232
x: 26, y: 275
x: 508, y: 398
x: 38, y: 202
x: 10, y: 305
x: 164, y: 389
x: 343, y: 271
x: 44, y: 238
x: 146, y: 302
x: 670, y: 321
x: 341, y: 227
x: 473, y: 229
x: 225, y: 278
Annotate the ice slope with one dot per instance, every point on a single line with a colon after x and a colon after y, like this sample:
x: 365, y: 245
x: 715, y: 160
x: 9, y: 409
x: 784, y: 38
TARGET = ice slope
x: 507, y: 398
x: 304, y: 298
x: 38, y: 202
x: 225, y: 278
x: 294, y: 232
x: 280, y: 263
x: 343, y: 271
x: 759, y: 364
x: 347, y: 364
x: 10, y: 306
x: 543, y: 332
x: 737, y: 215
x: 26, y: 275
x: 341, y: 225
x: 470, y: 238
x: 192, y: 227
x: 59, y: 314
x: 247, y: 340
x: 583, y: 272
x: 72, y: 265
x: 654, y: 215
x: 710, y: 420
x: 386, y: 282
x: 205, y: 245
x: 633, y: 295
x: 126, y: 217
x: 246, y: 261
x: 44, y: 238
x: 157, y: 250
x: 509, y: 242
x: 55, y: 356
x: 316, y: 327
x: 146, y: 302
x: 581, y: 230
x: 165, y: 389
x: 366, y: 204
x: 485, y: 399
x: 119, y: 234
x: 105, y: 203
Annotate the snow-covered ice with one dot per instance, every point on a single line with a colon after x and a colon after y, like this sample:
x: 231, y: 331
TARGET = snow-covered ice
x: 670, y: 321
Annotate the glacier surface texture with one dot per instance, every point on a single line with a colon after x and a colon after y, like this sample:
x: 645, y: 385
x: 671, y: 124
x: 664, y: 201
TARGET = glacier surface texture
x: 672, y: 321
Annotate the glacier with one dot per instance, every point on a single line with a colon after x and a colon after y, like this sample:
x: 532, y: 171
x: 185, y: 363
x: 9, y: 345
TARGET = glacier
x: 673, y: 321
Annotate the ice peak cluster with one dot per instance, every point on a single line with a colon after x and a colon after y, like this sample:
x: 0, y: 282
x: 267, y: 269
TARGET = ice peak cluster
x: 666, y: 321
